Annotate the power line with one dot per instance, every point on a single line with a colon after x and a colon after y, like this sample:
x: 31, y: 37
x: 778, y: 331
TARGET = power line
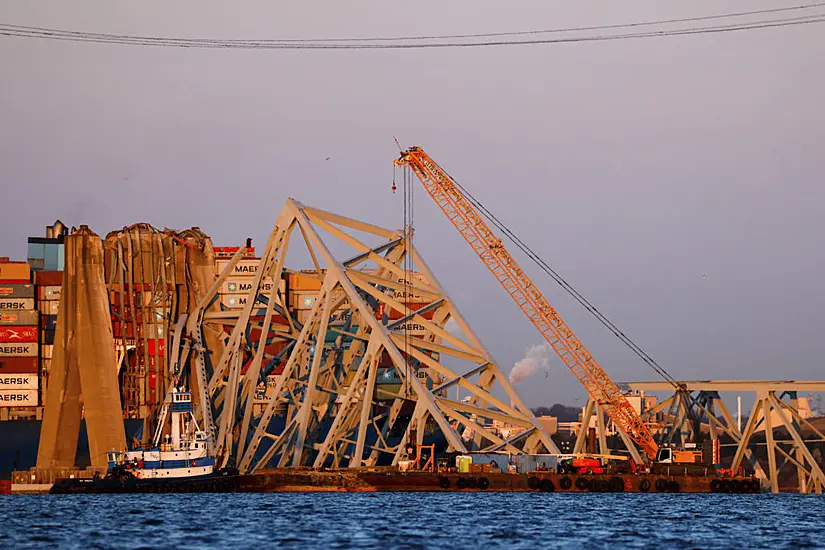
x: 323, y: 44
x: 453, y: 36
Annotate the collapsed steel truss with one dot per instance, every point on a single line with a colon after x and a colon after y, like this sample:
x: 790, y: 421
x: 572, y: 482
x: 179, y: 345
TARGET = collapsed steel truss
x: 698, y: 407
x: 326, y: 408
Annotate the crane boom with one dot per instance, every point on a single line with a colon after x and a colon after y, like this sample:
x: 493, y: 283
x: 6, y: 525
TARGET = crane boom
x: 458, y: 209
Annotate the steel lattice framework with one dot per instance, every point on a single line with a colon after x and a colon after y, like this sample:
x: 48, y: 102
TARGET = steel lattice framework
x: 529, y: 298
x: 326, y: 408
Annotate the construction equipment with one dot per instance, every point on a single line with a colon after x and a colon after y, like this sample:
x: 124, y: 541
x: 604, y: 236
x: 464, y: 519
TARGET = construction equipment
x: 459, y: 210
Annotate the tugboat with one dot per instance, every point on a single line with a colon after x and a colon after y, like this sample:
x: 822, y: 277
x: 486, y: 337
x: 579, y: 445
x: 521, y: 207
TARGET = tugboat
x: 181, y: 464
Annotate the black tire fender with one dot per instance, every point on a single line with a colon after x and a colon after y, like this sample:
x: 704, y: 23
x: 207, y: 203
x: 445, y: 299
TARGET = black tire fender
x: 644, y: 485
x: 673, y: 487
x: 461, y: 483
x: 617, y: 485
x: 565, y: 483
x: 547, y: 486
x: 444, y: 482
x: 483, y: 483
x: 661, y: 485
x: 582, y: 484
x: 471, y: 483
x: 533, y: 482
x: 715, y: 485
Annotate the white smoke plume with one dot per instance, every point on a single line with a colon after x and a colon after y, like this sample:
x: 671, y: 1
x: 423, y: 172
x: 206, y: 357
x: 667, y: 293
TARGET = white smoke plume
x: 536, y: 357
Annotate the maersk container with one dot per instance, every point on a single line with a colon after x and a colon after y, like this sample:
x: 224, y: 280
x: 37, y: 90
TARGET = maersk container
x: 18, y: 349
x: 16, y: 304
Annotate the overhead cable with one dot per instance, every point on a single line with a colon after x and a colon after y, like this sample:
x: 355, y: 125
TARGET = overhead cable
x: 19, y: 31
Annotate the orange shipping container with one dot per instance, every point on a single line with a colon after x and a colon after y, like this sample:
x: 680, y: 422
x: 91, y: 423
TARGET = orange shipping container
x: 15, y: 271
x: 303, y: 282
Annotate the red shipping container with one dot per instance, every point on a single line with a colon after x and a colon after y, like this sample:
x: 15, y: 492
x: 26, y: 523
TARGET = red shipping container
x: 153, y: 380
x: 16, y: 282
x: 18, y: 334
x: 394, y: 315
x: 18, y: 365
x: 48, y: 278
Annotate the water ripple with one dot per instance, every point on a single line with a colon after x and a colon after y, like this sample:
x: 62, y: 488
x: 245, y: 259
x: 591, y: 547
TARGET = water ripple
x: 404, y: 520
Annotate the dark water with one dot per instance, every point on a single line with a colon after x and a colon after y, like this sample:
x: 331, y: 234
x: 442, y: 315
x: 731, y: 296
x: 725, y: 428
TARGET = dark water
x: 398, y: 520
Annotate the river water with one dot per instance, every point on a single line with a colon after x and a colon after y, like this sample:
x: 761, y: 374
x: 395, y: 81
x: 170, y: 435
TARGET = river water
x: 410, y: 520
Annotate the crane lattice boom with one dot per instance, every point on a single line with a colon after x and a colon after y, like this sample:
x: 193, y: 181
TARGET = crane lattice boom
x: 532, y: 302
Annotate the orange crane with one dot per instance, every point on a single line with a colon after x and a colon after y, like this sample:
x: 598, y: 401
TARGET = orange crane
x: 459, y: 210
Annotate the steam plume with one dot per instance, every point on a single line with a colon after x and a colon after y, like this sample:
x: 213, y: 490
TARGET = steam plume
x: 536, y: 357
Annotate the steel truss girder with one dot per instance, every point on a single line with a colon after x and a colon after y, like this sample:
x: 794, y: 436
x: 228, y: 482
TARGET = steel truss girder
x: 327, y: 398
x: 711, y: 415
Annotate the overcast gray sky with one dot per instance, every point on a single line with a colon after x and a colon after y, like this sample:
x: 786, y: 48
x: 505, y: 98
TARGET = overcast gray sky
x: 632, y: 167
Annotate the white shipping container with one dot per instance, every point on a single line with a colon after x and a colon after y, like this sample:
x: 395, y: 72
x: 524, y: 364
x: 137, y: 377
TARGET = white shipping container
x: 244, y: 268
x: 50, y: 307
x: 46, y: 352
x: 50, y: 292
x: 18, y: 349
x: 234, y: 301
x: 18, y: 398
x: 18, y: 381
x: 414, y: 329
x: 16, y: 304
x: 302, y: 300
x: 243, y: 285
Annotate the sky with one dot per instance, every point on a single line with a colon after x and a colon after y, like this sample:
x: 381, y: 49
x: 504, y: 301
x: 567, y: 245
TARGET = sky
x: 677, y: 182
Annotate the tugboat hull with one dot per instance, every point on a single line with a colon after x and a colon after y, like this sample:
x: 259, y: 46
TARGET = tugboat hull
x: 201, y: 484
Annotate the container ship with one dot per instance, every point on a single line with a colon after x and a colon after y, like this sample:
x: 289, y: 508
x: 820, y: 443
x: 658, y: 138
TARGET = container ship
x: 145, y: 301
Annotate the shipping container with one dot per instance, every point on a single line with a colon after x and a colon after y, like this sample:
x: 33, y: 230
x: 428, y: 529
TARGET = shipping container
x: 19, y: 271
x: 18, y: 334
x: 151, y: 345
x: 244, y: 268
x: 18, y: 398
x: 128, y: 314
x: 16, y: 291
x: 48, y: 278
x: 50, y: 307
x: 49, y: 322
x: 18, y: 381
x: 36, y: 264
x: 223, y: 252
x: 234, y: 301
x: 16, y: 304
x: 128, y: 330
x: 20, y: 349
x: 243, y: 285
x: 18, y: 365
x: 141, y: 287
x: 46, y: 351
x: 302, y: 300
x: 139, y: 299
x: 49, y: 292
x: 19, y: 318
x: 304, y: 281
x: 47, y: 337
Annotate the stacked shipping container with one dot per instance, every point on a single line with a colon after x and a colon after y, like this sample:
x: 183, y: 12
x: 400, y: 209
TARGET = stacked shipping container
x: 48, y: 285
x: 19, y: 381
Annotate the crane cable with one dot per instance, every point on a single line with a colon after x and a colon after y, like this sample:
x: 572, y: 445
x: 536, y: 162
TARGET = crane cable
x: 592, y: 309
